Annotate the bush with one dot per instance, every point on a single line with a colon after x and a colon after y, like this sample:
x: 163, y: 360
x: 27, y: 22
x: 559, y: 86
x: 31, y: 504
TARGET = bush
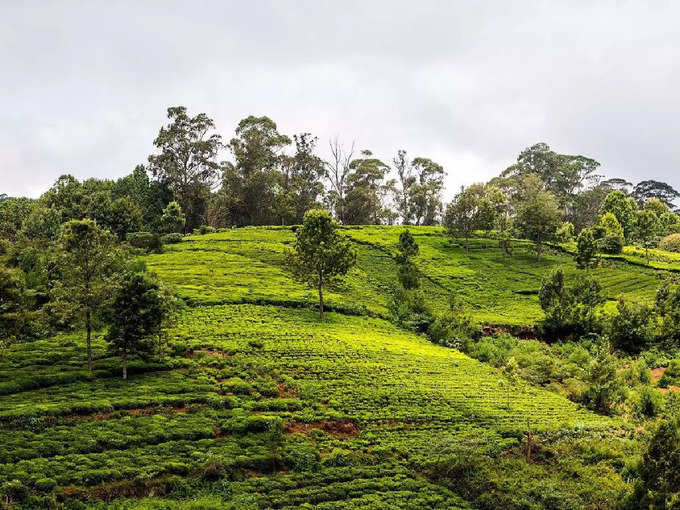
x: 206, y: 229
x: 632, y: 328
x: 671, y: 375
x: 173, y: 238
x: 671, y: 243
x: 213, y: 469
x: 650, y: 402
x: 611, y: 244
x: 147, y: 241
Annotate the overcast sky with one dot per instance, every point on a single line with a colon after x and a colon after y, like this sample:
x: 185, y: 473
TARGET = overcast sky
x: 84, y: 86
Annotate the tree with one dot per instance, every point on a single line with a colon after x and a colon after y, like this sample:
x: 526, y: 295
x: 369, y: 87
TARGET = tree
x: 660, y: 469
x: 13, y: 213
x: 139, y: 310
x: 150, y: 196
x: 187, y: 162
x: 645, y: 190
x: 646, y: 229
x: 569, y: 311
x: 623, y: 207
x: 538, y: 218
x: 66, y: 196
x: 418, y: 191
x: 173, y: 219
x: 337, y: 173
x: 252, y: 183
x: 613, y: 238
x: 501, y: 206
x: 586, y: 250
x: 406, y: 250
x: 466, y: 212
x: 321, y: 254
x: 88, y: 259
x: 365, y: 188
x: 12, y: 305
x: 125, y: 217
x: 632, y: 327
x: 42, y: 223
x: 301, y: 182
x: 564, y: 175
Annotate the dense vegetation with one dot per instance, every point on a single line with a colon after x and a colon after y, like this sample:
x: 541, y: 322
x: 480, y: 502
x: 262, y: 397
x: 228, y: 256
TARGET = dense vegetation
x: 518, y: 348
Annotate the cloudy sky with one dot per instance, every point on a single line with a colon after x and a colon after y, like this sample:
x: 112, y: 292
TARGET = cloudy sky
x: 84, y: 86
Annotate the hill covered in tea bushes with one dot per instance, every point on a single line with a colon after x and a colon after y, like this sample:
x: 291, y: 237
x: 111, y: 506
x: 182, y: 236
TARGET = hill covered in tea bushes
x: 262, y: 405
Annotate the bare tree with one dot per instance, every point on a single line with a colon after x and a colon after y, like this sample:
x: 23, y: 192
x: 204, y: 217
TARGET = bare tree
x: 337, y: 172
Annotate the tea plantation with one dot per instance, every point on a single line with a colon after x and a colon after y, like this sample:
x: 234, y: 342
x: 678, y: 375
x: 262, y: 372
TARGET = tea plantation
x: 262, y: 405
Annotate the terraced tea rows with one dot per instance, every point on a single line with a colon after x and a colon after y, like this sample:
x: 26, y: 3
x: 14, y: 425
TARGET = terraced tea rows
x: 261, y: 405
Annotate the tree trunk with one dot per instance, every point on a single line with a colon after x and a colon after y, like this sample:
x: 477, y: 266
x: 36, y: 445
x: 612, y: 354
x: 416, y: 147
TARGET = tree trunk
x: 88, y: 327
x: 124, y: 360
x: 539, y: 250
x: 321, y: 299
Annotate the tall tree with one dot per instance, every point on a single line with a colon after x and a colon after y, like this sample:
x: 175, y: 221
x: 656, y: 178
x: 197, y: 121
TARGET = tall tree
x: 623, y: 207
x: 406, y: 250
x: 139, y: 310
x: 337, y: 172
x: 301, y: 183
x: 251, y: 184
x: 88, y: 259
x: 538, y: 218
x: 645, y: 190
x: 646, y: 229
x: 321, y: 254
x: 418, y: 190
x: 365, y: 190
x: 467, y: 212
x: 187, y: 161
x: 12, y: 305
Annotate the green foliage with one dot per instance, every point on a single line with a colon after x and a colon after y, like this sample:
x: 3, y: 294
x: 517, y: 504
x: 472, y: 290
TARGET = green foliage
x: 173, y: 219
x: 173, y: 238
x: 408, y: 272
x: 187, y: 162
x: 147, y: 241
x: 468, y: 211
x: 646, y: 229
x: 623, y: 208
x: 570, y: 312
x: 565, y: 233
x: 586, y: 250
x: 633, y: 327
x: 659, y: 469
x: 12, y: 305
x: 87, y: 264
x: 321, y: 254
x: 538, y: 218
x: 139, y: 310
x: 613, y: 237
x: 670, y: 243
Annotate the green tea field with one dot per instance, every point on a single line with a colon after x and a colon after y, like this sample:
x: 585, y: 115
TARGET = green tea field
x: 262, y: 405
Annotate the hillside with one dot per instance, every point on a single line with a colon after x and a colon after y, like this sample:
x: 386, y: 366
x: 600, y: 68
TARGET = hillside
x: 261, y: 405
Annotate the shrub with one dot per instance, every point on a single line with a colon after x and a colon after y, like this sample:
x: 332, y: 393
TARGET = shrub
x: 45, y: 484
x: 206, y: 229
x: 650, y: 402
x: 671, y: 375
x: 565, y: 233
x: 632, y: 328
x: 301, y: 454
x: 14, y: 491
x: 612, y: 238
x: 212, y: 469
x: 147, y: 241
x: 173, y: 238
x: 671, y: 243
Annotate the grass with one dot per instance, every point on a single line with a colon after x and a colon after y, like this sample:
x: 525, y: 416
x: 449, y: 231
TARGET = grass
x: 261, y: 405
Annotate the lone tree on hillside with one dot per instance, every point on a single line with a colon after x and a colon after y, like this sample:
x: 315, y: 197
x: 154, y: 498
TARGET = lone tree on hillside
x: 139, y: 311
x: 89, y: 259
x: 408, y: 272
x: 321, y: 254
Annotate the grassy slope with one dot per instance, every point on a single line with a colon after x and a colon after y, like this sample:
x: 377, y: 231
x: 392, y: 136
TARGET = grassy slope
x: 383, y: 401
